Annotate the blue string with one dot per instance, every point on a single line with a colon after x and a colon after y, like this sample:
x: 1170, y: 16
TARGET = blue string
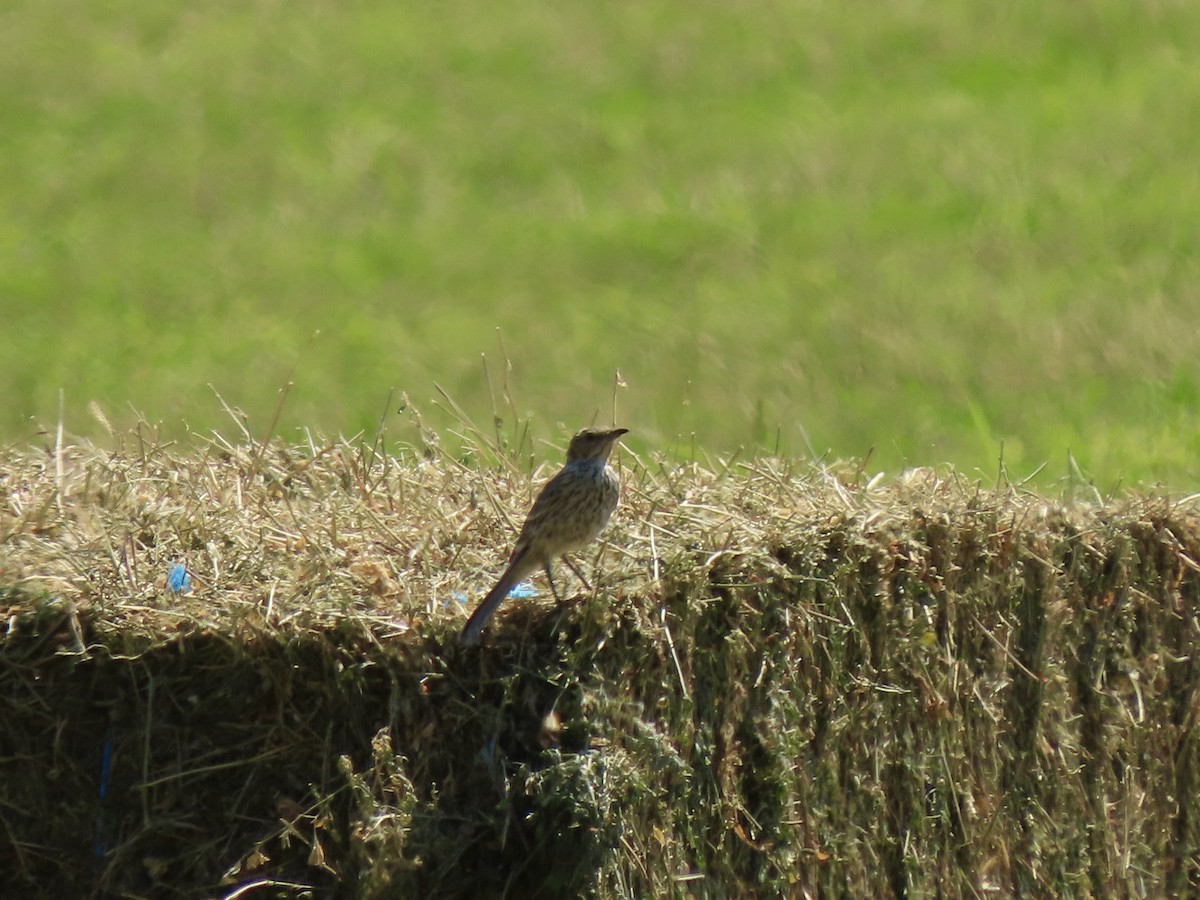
x: 521, y: 591
x: 98, y: 847
x: 178, y: 581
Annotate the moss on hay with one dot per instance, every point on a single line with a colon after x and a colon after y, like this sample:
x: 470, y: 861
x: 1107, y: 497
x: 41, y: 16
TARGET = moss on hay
x: 789, y: 683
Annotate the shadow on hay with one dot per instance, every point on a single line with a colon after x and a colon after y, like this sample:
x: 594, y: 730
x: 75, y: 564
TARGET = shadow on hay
x: 316, y: 761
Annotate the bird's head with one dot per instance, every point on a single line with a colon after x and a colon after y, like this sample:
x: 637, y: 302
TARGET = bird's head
x: 593, y: 443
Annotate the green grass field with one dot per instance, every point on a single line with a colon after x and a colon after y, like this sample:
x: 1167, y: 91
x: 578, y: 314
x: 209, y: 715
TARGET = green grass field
x: 924, y: 228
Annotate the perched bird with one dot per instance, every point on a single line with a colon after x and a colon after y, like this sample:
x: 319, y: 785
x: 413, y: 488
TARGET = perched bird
x: 569, y: 513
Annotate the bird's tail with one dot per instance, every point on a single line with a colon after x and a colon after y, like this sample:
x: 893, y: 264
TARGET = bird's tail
x: 517, y: 569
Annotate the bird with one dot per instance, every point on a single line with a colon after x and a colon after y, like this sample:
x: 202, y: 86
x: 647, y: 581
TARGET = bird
x: 569, y: 513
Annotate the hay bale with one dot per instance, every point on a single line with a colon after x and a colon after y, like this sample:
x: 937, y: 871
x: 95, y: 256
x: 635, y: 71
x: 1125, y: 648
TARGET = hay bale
x: 790, y: 683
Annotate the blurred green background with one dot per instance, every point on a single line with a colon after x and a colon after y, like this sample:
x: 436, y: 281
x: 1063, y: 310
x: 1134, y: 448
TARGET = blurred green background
x: 925, y: 228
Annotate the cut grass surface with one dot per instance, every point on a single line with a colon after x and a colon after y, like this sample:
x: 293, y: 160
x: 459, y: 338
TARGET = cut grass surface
x: 927, y: 230
x: 791, y: 681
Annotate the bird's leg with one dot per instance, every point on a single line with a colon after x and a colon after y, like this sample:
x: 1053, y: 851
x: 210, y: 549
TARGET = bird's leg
x: 578, y: 574
x: 553, y: 589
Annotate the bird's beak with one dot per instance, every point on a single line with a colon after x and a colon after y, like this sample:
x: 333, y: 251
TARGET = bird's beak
x: 617, y: 432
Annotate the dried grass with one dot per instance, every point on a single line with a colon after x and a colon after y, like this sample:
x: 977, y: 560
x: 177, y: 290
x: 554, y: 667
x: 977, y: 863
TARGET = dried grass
x: 792, y: 682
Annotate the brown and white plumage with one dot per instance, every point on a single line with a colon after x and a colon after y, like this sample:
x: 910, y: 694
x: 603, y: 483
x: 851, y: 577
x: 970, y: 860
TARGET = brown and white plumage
x: 569, y: 513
